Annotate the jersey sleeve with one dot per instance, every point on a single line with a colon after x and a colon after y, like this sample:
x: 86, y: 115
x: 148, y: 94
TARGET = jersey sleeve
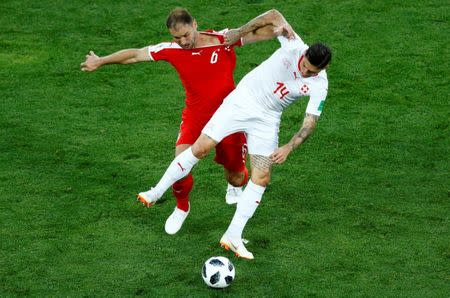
x: 317, y: 98
x: 291, y: 44
x: 159, y: 51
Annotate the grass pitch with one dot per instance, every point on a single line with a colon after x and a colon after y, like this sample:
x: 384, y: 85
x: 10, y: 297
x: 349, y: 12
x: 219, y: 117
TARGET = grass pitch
x: 361, y: 209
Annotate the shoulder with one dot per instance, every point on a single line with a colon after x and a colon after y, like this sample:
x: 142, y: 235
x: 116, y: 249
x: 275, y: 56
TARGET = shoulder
x: 322, y: 79
x: 162, y: 46
x: 319, y: 84
x: 219, y: 35
x: 163, y: 50
x: 290, y: 44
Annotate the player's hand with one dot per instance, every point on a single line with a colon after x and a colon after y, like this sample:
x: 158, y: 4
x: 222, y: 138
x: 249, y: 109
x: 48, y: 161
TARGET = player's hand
x: 231, y: 37
x: 280, y: 155
x: 91, y: 63
x: 285, y: 30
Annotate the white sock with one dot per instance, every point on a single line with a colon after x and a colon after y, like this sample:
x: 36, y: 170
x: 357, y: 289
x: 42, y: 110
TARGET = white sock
x: 246, y: 207
x: 179, y: 168
x: 231, y: 186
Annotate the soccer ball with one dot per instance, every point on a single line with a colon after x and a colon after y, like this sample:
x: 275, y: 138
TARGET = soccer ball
x: 218, y: 272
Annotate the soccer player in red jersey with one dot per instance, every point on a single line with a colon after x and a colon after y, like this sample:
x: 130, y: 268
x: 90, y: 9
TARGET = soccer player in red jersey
x: 205, y: 67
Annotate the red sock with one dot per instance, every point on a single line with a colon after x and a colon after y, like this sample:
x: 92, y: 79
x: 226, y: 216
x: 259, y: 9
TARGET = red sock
x: 181, y: 190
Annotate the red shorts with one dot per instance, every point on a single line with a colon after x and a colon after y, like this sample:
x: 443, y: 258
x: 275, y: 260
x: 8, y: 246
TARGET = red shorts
x: 231, y: 152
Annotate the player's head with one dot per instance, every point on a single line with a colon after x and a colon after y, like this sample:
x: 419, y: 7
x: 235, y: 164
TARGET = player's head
x: 183, y: 28
x: 317, y: 57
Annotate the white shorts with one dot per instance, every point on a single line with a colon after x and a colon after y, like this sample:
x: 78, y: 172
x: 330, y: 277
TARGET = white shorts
x: 241, y: 112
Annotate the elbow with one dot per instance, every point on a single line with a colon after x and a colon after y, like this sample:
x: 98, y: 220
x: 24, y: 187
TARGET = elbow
x: 313, y: 125
x: 274, y: 14
x: 310, y: 121
x: 274, y: 18
x: 274, y: 11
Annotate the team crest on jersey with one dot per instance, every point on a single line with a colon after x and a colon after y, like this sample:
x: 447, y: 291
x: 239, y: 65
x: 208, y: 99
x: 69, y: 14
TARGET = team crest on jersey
x: 287, y: 63
x: 304, y: 89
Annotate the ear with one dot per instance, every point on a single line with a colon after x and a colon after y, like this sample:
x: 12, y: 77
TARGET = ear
x: 194, y: 24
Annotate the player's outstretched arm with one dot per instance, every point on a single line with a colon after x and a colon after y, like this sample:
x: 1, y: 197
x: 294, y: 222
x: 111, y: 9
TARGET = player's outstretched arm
x: 309, y: 125
x: 265, y: 26
x: 93, y: 62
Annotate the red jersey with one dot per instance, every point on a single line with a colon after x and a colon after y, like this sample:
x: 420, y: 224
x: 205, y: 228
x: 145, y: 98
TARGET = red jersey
x: 206, y: 74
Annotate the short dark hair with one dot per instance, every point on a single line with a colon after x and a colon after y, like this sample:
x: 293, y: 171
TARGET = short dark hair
x: 177, y: 16
x: 318, y: 55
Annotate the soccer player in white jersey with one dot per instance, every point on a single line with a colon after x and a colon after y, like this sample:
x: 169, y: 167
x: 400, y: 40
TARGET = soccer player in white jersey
x: 254, y: 107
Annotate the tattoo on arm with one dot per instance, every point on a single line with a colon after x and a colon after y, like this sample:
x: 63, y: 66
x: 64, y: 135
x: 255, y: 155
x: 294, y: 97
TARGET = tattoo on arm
x: 314, y: 117
x: 272, y: 17
x: 309, y: 125
x: 260, y: 162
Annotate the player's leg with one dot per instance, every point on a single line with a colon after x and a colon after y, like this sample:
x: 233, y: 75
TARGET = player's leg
x: 182, y: 187
x: 252, y: 195
x: 261, y: 143
x: 179, y: 168
x: 247, y: 205
x: 234, y: 192
x: 180, y: 190
x: 227, y: 125
x: 231, y: 153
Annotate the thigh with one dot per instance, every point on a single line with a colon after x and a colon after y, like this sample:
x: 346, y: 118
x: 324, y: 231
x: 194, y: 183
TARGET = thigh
x: 231, y: 152
x: 262, y: 134
x: 189, y: 132
x: 230, y: 117
x: 258, y: 145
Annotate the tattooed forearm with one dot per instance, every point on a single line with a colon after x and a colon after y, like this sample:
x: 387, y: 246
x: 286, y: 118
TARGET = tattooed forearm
x: 272, y: 17
x: 309, y: 125
x: 260, y: 162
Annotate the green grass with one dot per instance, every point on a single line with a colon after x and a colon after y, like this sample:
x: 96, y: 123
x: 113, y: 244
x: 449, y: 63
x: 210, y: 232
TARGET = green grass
x: 362, y: 209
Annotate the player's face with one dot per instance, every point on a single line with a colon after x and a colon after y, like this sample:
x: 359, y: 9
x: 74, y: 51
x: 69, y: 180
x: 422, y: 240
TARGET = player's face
x: 307, y: 69
x: 185, y: 35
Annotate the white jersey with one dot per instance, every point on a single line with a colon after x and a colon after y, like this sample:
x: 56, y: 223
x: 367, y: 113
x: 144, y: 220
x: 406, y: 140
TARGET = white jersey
x: 277, y: 82
x: 256, y: 105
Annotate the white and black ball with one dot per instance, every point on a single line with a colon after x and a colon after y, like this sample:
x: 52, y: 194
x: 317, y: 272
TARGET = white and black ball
x: 218, y: 272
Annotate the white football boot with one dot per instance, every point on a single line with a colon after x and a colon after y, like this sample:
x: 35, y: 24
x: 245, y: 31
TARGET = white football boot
x: 175, y: 221
x: 236, y: 246
x: 233, y: 193
x: 148, y: 198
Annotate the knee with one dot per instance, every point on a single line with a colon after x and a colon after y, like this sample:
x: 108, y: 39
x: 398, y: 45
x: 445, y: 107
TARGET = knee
x: 203, y: 146
x: 200, y: 151
x: 262, y: 179
x: 235, y: 179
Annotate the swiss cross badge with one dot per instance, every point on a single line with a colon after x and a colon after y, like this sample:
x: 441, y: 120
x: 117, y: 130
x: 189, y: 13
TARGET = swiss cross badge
x: 304, y: 89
